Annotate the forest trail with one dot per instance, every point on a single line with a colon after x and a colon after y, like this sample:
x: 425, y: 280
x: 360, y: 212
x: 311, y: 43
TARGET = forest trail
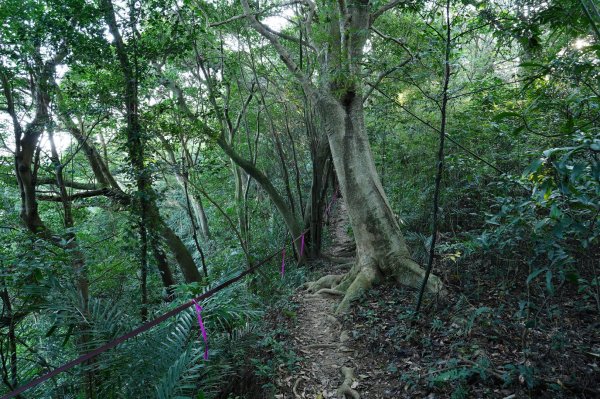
x: 342, y: 244
x: 317, y: 336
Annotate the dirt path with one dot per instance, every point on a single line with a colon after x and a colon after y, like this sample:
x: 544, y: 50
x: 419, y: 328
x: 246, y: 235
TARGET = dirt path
x: 342, y: 244
x: 317, y: 335
x: 438, y: 355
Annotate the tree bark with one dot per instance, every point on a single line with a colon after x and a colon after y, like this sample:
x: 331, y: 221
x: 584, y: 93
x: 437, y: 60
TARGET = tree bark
x: 26, y: 164
x: 380, y: 246
x: 320, y: 156
x: 11, y: 381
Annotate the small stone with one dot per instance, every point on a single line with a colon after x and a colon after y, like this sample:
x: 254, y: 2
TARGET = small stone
x: 344, y: 336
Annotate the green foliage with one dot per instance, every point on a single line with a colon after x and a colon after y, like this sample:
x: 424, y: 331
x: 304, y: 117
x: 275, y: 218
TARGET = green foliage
x: 521, y: 179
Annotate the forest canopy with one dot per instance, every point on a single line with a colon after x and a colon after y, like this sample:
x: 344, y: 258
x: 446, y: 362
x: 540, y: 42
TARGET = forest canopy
x: 418, y: 180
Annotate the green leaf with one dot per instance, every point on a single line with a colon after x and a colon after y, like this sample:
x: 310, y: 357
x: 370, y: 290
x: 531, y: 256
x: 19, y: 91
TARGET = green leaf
x: 555, y: 212
x: 518, y: 130
x: 68, y: 335
x: 533, y: 167
x: 572, y: 277
x: 549, y: 285
x: 505, y: 115
x: 51, y: 330
x: 535, y: 274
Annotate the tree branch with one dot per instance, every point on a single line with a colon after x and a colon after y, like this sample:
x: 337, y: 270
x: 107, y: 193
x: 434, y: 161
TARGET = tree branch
x: 284, y: 54
x: 72, y: 184
x: 382, y: 76
x: 376, y: 14
x: 72, y: 197
x: 240, y: 16
x: 397, y: 41
x: 290, y: 38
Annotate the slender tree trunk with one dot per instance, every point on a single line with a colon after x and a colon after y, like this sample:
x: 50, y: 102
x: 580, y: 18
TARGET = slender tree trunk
x: 78, y: 258
x: 135, y: 146
x: 229, y: 131
x: 194, y: 228
x: 163, y: 267
x: 440, y: 160
x: 144, y: 272
x: 11, y: 378
x: 238, y: 177
x: 199, y: 215
x: 320, y: 156
x: 248, y: 166
x: 198, y: 212
x: 280, y: 203
x: 295, y: 157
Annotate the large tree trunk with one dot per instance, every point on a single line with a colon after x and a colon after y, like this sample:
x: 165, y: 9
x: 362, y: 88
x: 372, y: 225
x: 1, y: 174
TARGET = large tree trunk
x: 239, y: 178
x: 26, y: 165
x: 381, y: 251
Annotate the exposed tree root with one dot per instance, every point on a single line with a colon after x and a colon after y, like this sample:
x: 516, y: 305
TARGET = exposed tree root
x: 346, y: 253
x: 329, y: 291
x: 366, y: 272
x: 295, y: 387
x: 328, y: 281
x: 345, y: 389
x: 344, y: 336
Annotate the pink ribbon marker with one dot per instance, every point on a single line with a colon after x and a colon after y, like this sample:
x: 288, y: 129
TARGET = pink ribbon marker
x: 202, y: 330
x: 283, y: 263
x: 301, y: 244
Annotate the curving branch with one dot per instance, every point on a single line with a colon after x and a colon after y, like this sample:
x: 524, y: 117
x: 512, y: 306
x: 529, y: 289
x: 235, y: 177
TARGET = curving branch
x: 67, y: 183
x: 248, y: 166
x: 72, y: 197
x: 377, y: 13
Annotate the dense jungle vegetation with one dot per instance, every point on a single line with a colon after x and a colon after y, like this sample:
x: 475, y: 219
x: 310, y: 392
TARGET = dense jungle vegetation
x: 428, y: 170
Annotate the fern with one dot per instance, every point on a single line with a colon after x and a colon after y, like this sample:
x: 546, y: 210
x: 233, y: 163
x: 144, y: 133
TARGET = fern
x: 180, y: 379
x: 165, y: 362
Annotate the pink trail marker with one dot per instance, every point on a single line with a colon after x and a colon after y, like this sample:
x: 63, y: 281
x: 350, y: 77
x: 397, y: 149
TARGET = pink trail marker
x: 283, y: 262
x: 202, y: 329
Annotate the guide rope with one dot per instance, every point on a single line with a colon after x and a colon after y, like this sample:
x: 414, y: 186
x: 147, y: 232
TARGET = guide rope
x: 146, y: 326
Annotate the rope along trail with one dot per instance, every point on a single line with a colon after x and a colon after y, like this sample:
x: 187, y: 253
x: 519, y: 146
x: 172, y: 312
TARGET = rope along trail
x: 145, y: 327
